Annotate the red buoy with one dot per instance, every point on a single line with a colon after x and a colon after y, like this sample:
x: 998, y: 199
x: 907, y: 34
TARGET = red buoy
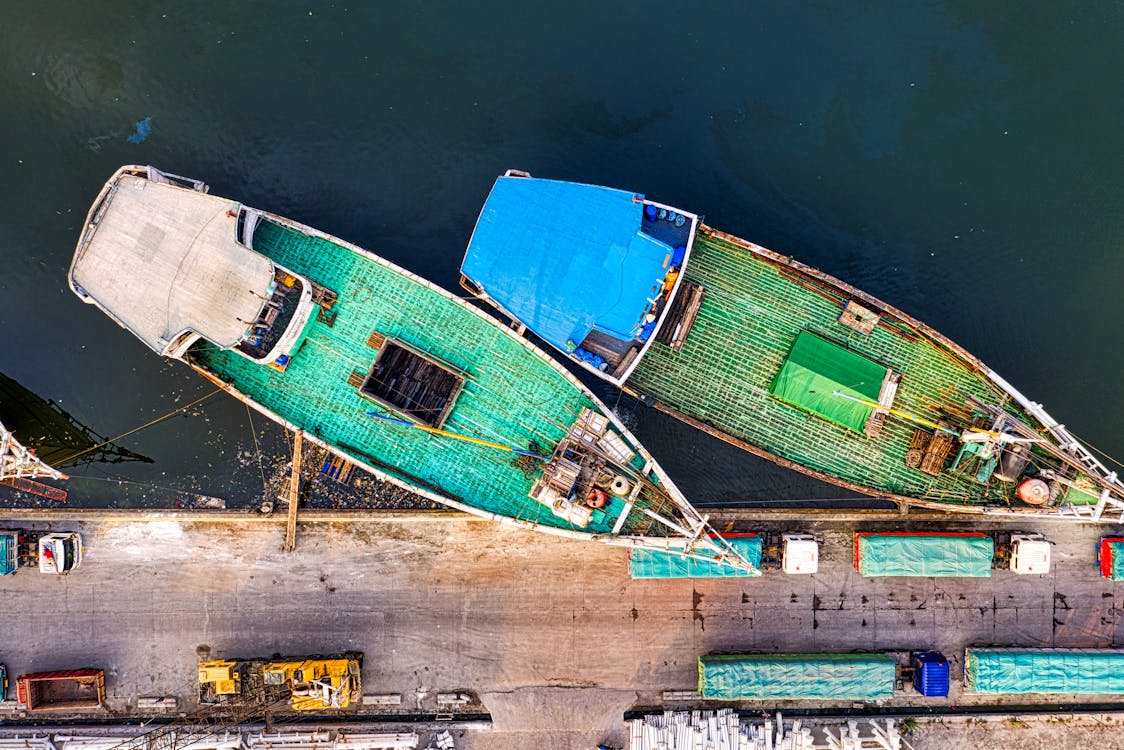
x: 1033, y: 491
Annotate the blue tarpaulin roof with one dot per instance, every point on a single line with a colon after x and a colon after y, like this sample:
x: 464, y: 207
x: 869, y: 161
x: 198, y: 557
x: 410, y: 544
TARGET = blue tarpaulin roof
x: 564, y: 258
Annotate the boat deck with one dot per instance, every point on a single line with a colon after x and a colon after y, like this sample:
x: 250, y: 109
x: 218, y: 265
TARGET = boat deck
x: 751, y: 314
x: 319, y: 390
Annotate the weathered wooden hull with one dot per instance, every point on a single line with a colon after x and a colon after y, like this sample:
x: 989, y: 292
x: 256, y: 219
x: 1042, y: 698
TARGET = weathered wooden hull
x: 756, y: 302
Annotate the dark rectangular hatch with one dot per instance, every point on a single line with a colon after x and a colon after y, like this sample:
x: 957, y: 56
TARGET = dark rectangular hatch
x: 412, y: 383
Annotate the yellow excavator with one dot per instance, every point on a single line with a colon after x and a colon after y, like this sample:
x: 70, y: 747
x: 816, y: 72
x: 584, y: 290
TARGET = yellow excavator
x: 311, y: 684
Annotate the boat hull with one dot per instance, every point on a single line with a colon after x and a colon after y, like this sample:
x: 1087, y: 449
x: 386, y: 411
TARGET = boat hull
x: 784, y: 297
x: 782, y: 360
x: 393, y: 374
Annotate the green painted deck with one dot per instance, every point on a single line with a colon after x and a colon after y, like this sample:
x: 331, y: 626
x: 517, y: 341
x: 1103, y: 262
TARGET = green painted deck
x: 749, y: 319
x: 513, y: 395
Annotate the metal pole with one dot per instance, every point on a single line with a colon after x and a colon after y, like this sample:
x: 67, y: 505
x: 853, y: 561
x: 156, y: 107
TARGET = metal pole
x: 294, y: 493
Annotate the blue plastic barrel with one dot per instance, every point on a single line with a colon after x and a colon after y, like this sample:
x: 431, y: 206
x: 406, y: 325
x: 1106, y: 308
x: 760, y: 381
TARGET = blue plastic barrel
x: 930, y: 673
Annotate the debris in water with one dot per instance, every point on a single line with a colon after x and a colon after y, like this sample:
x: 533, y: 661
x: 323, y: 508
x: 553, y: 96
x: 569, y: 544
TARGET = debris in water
x: 143, y: 130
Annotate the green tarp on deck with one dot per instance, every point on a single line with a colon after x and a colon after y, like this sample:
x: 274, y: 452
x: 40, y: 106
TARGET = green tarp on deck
x: 815, y: 368
x: 648, y: 563
x: 908, y: 554
x: 1082, y: 671
x: 797, y: 676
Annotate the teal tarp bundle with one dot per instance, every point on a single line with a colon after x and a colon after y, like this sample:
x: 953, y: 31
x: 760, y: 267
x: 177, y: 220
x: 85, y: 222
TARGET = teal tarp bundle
x: 797, y: 676
x: 1080, y: 671
x: 8, y: 552
x: 816, y: 369
x: 647, y: 563
x: 965, y: 555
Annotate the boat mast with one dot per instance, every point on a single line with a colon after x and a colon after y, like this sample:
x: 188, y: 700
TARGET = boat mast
x: 18, y: 462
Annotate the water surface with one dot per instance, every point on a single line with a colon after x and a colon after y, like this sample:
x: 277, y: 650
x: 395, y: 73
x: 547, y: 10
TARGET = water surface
x: 960, y: 161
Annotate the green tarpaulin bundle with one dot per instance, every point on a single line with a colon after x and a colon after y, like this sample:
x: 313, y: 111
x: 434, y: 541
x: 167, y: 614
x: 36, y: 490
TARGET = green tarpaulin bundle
x: 797, y: 676
x: 649, y: 563
x: 961, y: 555
x: 816, y: 369
x: 1075, y: 671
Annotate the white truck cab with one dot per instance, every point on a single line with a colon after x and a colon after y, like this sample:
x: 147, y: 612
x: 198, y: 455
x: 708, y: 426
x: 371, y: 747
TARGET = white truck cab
x: 60, y: 553
x: 1030, y: 554
x: 801, y: 554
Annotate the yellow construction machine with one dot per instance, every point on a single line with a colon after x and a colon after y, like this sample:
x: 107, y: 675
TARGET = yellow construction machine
x: 311, y: 683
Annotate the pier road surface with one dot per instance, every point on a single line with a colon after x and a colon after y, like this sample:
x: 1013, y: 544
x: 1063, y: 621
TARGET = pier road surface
x: 551, y: 634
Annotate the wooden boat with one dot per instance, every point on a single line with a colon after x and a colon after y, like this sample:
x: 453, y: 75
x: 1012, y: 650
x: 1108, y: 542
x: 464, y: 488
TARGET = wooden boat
x: 773, y: 356
x: 384, y: 369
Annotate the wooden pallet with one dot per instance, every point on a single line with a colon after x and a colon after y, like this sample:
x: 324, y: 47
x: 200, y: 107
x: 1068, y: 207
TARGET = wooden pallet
x: 928, y: 452
x: 677, y: 326
x: 325, y: 299
x: 337, y: 468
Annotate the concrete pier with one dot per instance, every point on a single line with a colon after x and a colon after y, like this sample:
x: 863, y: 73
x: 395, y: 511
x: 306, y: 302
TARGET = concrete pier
x: 549, y: 635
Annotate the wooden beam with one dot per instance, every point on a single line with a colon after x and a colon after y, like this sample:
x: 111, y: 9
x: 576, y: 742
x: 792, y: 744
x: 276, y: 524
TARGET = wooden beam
x: 294, y: 493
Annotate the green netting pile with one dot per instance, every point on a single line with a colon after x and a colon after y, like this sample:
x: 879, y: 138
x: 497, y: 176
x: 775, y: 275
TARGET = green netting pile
x: 797, y: 676
x: 905, y: 554
x: 1079, y: 671
x: 1077, y: 496
x: 648, y: 563
x: 816, y: 369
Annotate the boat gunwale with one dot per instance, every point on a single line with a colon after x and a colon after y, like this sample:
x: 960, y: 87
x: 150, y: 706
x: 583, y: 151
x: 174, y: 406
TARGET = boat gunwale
x: 696, y: 222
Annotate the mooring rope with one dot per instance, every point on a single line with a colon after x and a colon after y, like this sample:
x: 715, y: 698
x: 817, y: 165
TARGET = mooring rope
x: 148, y: 424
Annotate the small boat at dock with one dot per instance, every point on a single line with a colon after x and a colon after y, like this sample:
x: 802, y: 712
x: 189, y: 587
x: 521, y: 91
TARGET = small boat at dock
x: 378, y: 366
x: 773, y: 356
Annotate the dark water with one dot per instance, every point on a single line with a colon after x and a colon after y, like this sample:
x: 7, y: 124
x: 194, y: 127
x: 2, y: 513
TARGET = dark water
x: 961, y: 160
